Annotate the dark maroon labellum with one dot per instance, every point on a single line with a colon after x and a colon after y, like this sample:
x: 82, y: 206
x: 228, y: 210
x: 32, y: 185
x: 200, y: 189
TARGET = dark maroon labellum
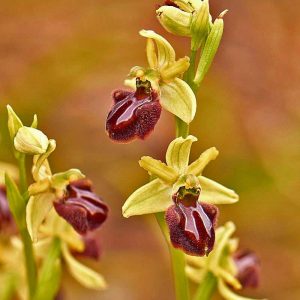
x: 248, y: 267
x: 192, y: 224
x: 171, y: 3
x: 91, y: 248
x: 5, y: 215
x: 134, y: 114
x: 80, y: 207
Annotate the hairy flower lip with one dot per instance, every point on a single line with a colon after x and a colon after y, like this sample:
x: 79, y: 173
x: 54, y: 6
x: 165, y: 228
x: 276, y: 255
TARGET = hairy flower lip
x: 134, y: 114
x: 91, y: 250
x: 248, y: 267
x: 192, y: 224
x: 5, y: 215
x: 80, y: 207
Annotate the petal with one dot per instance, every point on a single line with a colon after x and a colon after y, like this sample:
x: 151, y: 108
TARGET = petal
x: 151, y: 198
x: 215, y: 193
x: 178, y: 153
x: 159, y: 169
x: 178, y: 98
x: 37, y: 209
x: 85, y: 276
x: 228, y: 278
x: 228, y: 294
x: 165, y: 52
x: 196, y: 168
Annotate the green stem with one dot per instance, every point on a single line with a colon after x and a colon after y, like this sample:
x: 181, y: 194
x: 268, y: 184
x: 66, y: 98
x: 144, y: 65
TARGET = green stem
x: 178, y: 263
x: 206, y: 288
x: 190, y: 74
x: 29, y: 261
x: 182, y: 128
x: 22, y: 173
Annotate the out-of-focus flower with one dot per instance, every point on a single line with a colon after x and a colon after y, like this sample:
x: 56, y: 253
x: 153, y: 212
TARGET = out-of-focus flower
x: 187, y: 197
x: 134, y: 114
x: 164, y: 73
x: 248, y: 268
x: 82, y: 208
x: 222, y: 264
x: 5, y: 215
x: 72, y: 244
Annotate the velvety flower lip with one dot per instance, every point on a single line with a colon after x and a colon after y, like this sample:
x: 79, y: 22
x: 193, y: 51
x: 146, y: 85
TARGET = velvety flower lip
x: 192, y: 224
x: 248, y: 267
x: 91, y: 248
x: 80, y: 207
x: 134, y: 114
x: 5, y: 215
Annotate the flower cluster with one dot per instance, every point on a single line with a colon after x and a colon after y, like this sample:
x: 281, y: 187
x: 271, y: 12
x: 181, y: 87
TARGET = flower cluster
x: 187, y: 197
x: 230, y: 267
x: 57, y: 211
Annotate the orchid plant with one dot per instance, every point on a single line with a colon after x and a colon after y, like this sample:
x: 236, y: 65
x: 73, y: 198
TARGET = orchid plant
x: 184, y: 201
x: 47, y: 225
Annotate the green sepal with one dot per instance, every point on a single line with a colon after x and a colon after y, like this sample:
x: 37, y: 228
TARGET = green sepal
x: 215, y: 193
x: 152, y: 197
x: 178, y: 98
x: 14, y: 123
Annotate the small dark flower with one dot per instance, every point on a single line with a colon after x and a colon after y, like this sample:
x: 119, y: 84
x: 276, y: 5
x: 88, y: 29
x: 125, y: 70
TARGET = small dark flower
x: 91, y: 248
x: 80, y: 207
x: 5, y: 215
x: 248, y: 267
x: 134, y: 114
x: 191, y: 223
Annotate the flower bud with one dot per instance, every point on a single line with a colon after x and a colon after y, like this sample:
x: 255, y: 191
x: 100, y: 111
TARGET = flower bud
x: 174, y: 20
x: 200, y: 25
x: 31, y: 141
x: 14, y: 122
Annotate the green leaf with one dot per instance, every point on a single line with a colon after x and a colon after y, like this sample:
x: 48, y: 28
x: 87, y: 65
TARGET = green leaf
x: 152, y: 197
x: 165, y: 52
x: 159, y: 169
x: 37, y: 209
x: 196, y: 168
x: 84, y: 275
x: 215, y: 193
x: 178, y: 98
x: 210, y: 49
x: 178, y: 153
x: 50, y: 276
x: 16, y: 202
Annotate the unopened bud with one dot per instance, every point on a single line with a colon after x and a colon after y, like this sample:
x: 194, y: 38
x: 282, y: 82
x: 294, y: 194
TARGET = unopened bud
x: 31, y: 141
x: 14, y: 122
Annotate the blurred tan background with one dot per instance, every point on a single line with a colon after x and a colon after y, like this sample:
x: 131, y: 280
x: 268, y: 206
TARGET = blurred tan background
x: 61, y: 60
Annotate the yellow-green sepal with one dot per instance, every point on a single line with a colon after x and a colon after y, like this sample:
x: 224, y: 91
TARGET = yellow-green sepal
x: 178, y: 98
x: 215, y: 193
x: 152, y: 197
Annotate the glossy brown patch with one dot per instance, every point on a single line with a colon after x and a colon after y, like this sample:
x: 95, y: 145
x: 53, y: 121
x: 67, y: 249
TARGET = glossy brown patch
x: 134, y: 114
x: 82, y: 208
x: 192, y: 225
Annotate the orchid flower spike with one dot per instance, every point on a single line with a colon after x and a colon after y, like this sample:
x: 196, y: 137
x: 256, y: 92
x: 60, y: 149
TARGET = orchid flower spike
x: 134, y: 114
x: 184, y: 194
